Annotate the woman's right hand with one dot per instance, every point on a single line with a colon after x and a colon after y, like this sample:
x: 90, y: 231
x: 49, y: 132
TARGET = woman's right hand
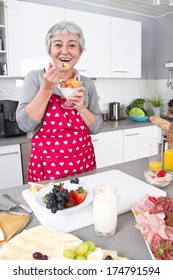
x: 51, y: 77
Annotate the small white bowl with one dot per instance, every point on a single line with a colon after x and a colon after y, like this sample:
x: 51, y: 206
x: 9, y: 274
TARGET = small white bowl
x: 160, y: 182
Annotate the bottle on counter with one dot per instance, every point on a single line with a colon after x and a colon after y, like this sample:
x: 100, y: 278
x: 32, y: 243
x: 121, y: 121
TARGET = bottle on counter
x: 170, y: 108
x: 4, y: 69
x: 1, y: 48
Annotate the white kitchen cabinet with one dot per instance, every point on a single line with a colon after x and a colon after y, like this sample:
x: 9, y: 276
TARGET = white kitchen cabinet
x: 27, y: 26
x: 10, y: 166
x: 125, y: 48
x: 108, y: 148
x: 113, y: 45
x: 136, y: 142
x: 95, y: 60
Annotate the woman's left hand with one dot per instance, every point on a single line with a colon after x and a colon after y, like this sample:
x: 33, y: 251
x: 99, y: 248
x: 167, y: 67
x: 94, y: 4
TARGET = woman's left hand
x: 78, y: 98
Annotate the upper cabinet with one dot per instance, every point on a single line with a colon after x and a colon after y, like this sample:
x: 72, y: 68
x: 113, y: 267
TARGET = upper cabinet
x: 3, y: 52
x: 28, y: 25
x: 113, y: 45
x: 95, y: 60
x: 125, y: 48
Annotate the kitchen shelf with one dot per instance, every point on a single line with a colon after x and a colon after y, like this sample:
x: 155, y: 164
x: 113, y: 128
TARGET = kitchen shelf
x: 2, y: 27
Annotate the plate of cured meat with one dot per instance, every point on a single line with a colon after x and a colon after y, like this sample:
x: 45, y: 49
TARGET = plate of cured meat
x: 154, y: 217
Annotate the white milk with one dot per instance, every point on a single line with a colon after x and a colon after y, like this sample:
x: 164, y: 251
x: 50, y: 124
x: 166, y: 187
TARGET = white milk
x: 105, y: 210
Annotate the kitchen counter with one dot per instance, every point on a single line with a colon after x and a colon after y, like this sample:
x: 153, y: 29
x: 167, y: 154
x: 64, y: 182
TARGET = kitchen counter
x: 128, y: 240
x: 123, y: 124
x: 107, y: 126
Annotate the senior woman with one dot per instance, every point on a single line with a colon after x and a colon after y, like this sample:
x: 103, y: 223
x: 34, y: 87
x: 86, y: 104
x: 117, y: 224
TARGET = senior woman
x: 60, y: 138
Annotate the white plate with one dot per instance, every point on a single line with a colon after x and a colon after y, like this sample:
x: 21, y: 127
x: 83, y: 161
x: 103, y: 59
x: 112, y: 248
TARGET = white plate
x: 89, y: 197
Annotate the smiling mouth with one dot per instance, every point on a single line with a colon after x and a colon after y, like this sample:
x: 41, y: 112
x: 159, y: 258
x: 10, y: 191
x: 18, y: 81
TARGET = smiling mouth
x: 66, y: 60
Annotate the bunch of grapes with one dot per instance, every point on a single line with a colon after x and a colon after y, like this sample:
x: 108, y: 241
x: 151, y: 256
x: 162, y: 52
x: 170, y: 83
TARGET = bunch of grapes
x: 81, y: 252
x: 57, y: 198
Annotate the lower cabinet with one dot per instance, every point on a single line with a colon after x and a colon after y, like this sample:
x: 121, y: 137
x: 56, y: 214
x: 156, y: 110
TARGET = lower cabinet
x: 136, y: 142
x: 10, y: 166
x: 25, y: 151
x: 108, y: 148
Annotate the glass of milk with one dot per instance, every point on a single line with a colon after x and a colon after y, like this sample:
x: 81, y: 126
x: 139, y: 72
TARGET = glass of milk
x: 105, y: 209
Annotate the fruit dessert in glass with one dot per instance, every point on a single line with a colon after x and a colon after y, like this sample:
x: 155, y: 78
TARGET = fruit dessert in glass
x: 69, y: 87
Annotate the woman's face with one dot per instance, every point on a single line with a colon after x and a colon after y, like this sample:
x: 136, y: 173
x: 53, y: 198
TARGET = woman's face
x: 65, y: 48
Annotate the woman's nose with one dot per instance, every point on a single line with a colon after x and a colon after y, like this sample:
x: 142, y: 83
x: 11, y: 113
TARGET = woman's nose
x: 64, y: 49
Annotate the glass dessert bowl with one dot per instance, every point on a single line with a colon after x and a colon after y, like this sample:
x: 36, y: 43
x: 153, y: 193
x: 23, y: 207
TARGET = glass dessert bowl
x: 69, y: 87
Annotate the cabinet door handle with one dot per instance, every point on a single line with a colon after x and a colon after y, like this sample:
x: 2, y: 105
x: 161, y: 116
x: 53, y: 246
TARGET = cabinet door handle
x: 82, y: 70
x: 132, y: 134
x: 5, y: 154
x: 119, y: 71
x: 95, y: 140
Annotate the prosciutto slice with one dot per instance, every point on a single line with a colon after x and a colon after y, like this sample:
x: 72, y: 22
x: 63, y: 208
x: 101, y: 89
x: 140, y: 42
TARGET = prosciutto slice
x: 142, y: 205
x: 150, y: 224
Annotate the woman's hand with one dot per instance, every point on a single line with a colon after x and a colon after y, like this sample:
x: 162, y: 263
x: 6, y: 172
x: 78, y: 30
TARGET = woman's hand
x: 51, y: 77
x: 78, y: 99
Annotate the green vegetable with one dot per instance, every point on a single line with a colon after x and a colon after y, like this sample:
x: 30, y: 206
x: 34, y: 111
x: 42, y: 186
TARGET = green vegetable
x: 136, y: 112
x: 137, y: 103
x: 160, y: 251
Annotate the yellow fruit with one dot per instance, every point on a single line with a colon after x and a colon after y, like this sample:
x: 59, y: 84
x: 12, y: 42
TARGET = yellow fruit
x: 65, y: 65
x: 73, y: 83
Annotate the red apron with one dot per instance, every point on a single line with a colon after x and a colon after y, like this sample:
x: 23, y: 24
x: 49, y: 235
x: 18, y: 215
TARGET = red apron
x: 62, y: 147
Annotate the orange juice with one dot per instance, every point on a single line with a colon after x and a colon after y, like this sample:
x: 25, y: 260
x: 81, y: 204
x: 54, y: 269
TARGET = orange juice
x: 155, y: 165
x: 168, y: 159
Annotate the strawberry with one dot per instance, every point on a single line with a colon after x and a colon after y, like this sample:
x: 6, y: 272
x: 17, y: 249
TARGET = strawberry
x: 80, y: 195
x: 72, y: 201
x: 64, y: 84
x: 161, y: 173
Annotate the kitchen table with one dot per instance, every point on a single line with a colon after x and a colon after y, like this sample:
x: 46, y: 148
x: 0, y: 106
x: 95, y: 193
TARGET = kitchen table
x: 128, y: 240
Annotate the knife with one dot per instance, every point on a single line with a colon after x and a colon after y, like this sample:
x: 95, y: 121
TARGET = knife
x: 24, y: 207
x: 11, y: 212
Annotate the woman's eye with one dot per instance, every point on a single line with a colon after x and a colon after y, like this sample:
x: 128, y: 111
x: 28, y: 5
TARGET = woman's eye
x: 58, y: 45
x: 72, y: 45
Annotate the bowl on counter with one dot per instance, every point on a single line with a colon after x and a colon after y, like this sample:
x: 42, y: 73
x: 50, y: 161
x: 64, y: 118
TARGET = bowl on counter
x: 160, y: 182
x: 138, y: 118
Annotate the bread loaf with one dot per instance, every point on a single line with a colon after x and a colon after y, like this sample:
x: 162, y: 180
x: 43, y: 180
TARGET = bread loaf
x: 163, y: 124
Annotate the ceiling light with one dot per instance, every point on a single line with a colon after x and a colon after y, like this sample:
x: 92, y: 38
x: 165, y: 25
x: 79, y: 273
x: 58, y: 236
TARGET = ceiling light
x: 170, y: 2
x: 156, y: 2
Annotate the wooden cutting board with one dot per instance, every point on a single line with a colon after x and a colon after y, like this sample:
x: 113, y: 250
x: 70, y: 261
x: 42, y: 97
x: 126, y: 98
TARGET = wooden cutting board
x: 12, y: 224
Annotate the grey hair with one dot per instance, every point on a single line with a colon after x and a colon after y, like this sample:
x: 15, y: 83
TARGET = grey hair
x: 65, y: 27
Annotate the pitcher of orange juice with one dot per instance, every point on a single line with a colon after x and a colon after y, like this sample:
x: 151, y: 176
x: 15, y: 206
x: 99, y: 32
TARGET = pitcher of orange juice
x: 168, y: 157
x: 155, y: 157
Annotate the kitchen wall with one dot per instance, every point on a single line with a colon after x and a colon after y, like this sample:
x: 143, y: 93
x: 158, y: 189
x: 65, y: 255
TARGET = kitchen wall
x: 157, y: 46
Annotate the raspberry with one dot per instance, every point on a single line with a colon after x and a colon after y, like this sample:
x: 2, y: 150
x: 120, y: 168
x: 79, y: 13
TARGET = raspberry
x: 161, y: 173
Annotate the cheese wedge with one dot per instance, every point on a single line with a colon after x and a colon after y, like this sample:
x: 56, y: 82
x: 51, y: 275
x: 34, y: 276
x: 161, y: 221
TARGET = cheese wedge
x: 47, y: 241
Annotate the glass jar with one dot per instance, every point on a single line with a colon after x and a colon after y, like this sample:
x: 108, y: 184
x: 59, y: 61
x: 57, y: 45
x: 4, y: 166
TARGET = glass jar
x: 155, y: 156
